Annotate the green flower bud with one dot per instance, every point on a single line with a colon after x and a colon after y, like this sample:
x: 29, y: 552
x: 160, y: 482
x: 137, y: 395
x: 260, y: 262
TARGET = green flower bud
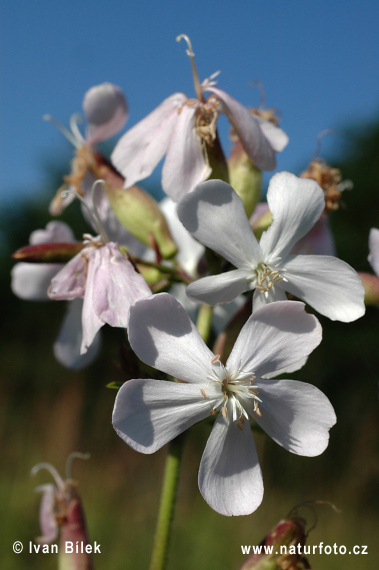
x: 245, y: 178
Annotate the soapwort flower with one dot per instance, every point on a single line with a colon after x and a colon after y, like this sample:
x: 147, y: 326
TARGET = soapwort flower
x: 184, y: 129
x: 106, y: 280
x: 149, y: 413
x: 214, y: 214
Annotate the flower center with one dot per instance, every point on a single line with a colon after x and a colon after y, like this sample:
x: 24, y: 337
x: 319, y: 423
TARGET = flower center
x: 234, y: 387
x: 266, y: 278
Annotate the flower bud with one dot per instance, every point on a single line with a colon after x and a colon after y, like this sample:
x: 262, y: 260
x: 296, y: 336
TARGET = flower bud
x: 48, y: 252
x: 245, y: 178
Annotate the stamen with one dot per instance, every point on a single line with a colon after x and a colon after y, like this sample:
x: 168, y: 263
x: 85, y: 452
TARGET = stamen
x: 70, y: 458
x: 75, y: 120
x: 216, y: 358
x: 57, y: 478
x: 65, y: 132
x: 191, y: 55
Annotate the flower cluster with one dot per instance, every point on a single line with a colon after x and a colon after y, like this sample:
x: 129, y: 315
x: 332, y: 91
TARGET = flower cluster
x: 200, y: 245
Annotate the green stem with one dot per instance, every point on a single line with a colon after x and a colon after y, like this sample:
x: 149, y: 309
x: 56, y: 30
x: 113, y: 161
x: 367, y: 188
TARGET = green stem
x: 172, y: 472
x: 167, y: 505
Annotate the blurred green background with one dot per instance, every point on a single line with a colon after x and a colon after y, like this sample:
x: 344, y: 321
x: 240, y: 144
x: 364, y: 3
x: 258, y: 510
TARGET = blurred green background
x: 48, y: 411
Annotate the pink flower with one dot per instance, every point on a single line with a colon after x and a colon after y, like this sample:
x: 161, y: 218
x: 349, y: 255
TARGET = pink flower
x: 182, y: 128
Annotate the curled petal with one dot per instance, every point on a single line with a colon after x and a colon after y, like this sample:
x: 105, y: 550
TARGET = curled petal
x: 230, y: 477
x: 214, y: 214
x: 163, y: 336
x: 275, y: 337
x: 327, y: 284
x: 149, y: 413
x: 374, y: 250
x: 106, y: 110
x: 295, y: 204
x: 141, y: 148
x: 298, y: 416
x: 185, y: 166
x: 249, y: 131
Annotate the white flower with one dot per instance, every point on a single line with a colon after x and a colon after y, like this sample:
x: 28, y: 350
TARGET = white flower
x: 181, y: 128
x: 373, y: 242
x: 149, y: 413
x: 214, y: 214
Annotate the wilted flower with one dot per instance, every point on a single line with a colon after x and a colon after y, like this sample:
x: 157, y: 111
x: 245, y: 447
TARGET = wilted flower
x: 184, y: 129
x: 149, y: 413
x: 215, y: 215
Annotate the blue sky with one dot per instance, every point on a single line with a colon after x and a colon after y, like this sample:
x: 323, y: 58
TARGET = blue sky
x: 317, y: 60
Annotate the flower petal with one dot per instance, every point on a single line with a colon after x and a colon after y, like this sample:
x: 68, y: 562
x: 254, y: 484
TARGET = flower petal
x: 219, y: 288
x: 327, y: 284
x: 318, y: 241
x: 274, y: 337
x: 70, y: 282
x: 295, y: 204
x: 298, y: 416
x: 374, y: 249
x: 185, y: 166
x: 141, y: 148
x: 106, y: 110
x: 277, y: 138
x: 149, y: 413
x: 67, y: 345
x: 230, y: 477
x: 214, y: 214
x: 30, y: 281
x: 55, y: 232
x: 249, y: 131
x: 48, y: 522
x: 163, y: 336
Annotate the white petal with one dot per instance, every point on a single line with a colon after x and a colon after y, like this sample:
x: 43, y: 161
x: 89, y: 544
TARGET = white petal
x: 55, y: 232
x: 185, y: 166
x: 295, y: 204
x: 249, y: 131
x: 141, y: 148
x: 30, y: 281
x: 149, y: 413
x: 214, y: 214
x: 70, y: 282
x: 67, y: 346
x: 91, y: 323
x: 275, y: 136
x: 374, y: 249
x: 163, y: 336
x: 327, y: 284
x: 276, y: 293
x: 274, y: 337
x: 106, y: 110
x: 190, y: 251
x: 219, y: 288
x: 298, y: 416
x: 230, y: 478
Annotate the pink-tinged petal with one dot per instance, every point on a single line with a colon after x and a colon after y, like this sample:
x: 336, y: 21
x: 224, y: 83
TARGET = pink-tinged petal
x: 117, y: 285
x: 67, y: 345
x: 275, y: 337
x: 69, y: 283
x: 275, y: 136
x: 214, y: 214
x: 30, y: 281
x: 106, y: 110
x: 190, y: 251
x: 230, y: 477
x: 48, y: 522
x: 298, y: 416
x: 318, y: 241
x: 163, y: 336
x: 219, y: 288
x: 249, y: 131
x: 185, y: 165
x: 327, y: 284
x: 374, y: 249
x: 295, y: 204
x: 141, y: 148
x: 149, y: 413
x: 261, y: 299
x: 55, y: 232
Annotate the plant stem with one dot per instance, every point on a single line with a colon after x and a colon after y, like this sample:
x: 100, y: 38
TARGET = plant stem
x: 172, y: 472
x: 168, y: 501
